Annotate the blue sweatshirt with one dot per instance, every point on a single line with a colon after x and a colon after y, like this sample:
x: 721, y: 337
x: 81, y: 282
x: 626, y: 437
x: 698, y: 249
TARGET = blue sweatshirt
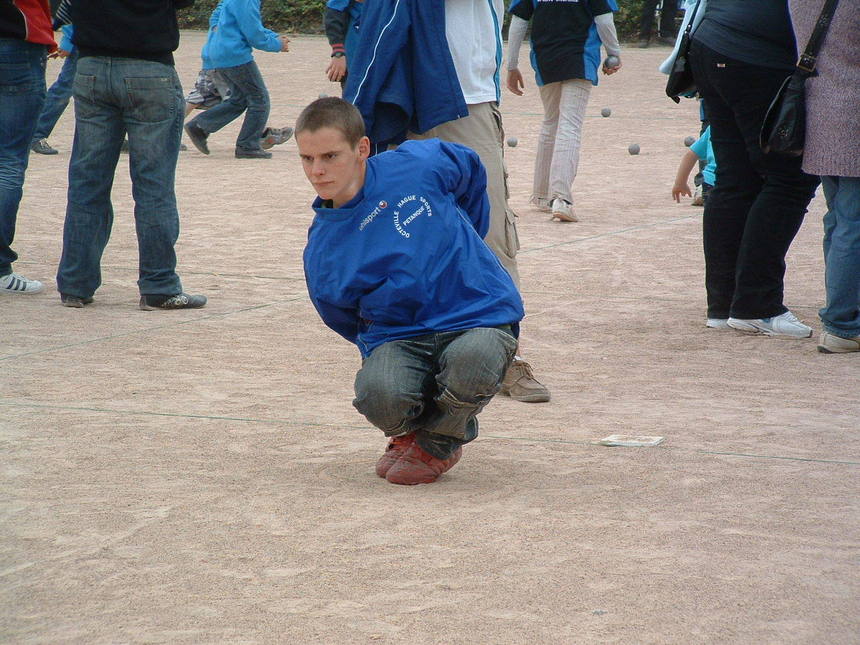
x: 235, y: 28
x: 406, y: 257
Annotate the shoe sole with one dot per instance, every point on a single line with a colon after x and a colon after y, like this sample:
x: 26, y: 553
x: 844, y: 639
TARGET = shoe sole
x: 564, y: 218
x: 528, y: 398
x: 746, y: 328
x: 76, y: 304
x: 824, y: 349
x: 202, y: 147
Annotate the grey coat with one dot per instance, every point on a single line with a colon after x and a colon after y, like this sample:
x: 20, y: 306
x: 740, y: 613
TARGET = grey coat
x: 833, y: 96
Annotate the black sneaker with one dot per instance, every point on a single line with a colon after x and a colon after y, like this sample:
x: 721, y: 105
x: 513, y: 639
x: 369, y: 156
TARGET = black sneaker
x: 179, y: 301
x: 243, y: 153
x: 197, y: 136
x: 75, y: 301
x: 41, y: 146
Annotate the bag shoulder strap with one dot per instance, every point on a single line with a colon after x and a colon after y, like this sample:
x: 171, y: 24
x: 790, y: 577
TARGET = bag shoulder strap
x: 806, y: 64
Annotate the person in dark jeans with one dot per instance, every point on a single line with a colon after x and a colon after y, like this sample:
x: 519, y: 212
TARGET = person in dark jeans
x: 666, y: 31
x: 125, y: 83
x: 59, y: 94
x: 740, y: 54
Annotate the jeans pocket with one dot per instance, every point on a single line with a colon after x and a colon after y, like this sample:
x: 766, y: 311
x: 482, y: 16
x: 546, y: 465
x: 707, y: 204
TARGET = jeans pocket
x: 152, y: 98
x: 16, y: 78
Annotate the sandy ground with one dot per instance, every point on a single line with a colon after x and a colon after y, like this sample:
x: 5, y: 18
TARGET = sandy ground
x: 201, y: 476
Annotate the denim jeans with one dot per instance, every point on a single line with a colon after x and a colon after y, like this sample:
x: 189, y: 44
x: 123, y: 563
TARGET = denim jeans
x: 22, y: 92
x: 841, y: 314
x: 758, y: 201
x: 115, y: 96
x: 248, y: 94
x: 57, y: 99
x: 434, y: 385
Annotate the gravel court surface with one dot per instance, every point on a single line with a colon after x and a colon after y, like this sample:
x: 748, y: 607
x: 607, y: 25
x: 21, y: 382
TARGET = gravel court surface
x: 201, y: 476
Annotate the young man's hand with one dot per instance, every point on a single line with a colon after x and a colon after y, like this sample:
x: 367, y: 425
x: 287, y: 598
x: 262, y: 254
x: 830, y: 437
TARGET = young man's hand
x: 515, y: 81
x: 680, y: 189
x: 336, y: 69
x: 285, y: 43
x: 611, y: 70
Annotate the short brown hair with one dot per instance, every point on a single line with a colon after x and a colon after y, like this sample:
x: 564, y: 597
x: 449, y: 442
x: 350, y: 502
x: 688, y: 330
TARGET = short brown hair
x: 332, y: 112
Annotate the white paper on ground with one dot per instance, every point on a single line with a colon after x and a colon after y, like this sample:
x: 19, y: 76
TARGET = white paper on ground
x: 630, y: 441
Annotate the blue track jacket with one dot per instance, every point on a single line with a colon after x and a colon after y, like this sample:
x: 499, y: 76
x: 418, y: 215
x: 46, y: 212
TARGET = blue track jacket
x: 235, y: 29
x: 402, y: 76
x: 405, y: 257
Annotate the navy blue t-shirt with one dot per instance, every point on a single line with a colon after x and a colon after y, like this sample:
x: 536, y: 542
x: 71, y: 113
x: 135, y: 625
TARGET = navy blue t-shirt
x: 564, y: 38
x: 757, y: 32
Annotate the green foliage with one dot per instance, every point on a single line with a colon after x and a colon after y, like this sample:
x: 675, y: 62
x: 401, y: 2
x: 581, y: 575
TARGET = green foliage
x: 306, y: 16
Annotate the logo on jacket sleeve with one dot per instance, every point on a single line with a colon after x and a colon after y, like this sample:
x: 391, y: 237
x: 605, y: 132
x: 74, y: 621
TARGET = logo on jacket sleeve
x: 408, y: 209
x: 372, y: 216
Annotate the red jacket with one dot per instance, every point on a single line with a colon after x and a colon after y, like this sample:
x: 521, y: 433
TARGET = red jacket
x: 28, y: 20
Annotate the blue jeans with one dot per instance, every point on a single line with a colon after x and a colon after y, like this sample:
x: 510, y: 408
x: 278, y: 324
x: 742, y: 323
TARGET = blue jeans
x: 58, y: 98
x: 22, y: 92
x: 248, y: 94
x: 434, y: 385
x: 115, y: 96
x: 841, y: 314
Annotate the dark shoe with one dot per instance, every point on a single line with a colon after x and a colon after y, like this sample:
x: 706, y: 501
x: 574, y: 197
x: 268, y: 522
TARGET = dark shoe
x: 521, y: 385
x: 416, y: 466
x: 197, y: 136
x: 394, y: 451
x: 179, y: 301
x: 182, y: 147
x: 242, y: 153
x: 75, y: 301
x: 643, y: 43
x: 41, y: 146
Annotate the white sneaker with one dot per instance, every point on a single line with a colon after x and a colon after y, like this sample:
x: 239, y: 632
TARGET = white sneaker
x: 718, y: 323
x: 832, y: 344
x: 784, y: 326
x: 562, y: 210
x: 14, y: 283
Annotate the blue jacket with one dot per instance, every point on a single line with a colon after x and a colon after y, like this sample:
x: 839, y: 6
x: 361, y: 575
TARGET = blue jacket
x: 405, y: 257
x: 235, y: 28
x: 402, y: 76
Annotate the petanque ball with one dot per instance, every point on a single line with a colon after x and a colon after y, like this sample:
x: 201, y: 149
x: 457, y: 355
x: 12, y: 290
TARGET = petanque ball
x: 689, y: 141
x: 633, y: 148
x: 611, y: 61
x: 512, y: 142
x: 605, y: 112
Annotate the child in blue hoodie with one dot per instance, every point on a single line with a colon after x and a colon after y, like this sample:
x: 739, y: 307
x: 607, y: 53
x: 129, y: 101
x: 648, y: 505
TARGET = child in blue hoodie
x: 396, y: 263
x: 235, y: 30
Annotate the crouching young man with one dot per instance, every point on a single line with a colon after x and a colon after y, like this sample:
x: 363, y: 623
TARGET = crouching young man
x: 396, y: 263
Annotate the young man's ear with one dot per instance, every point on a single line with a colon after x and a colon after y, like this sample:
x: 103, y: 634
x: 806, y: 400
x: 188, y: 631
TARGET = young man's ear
x: 364, y: 147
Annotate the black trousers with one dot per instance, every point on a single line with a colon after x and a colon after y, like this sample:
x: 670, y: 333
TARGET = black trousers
x: 758, y: 202
x: 667, y: 18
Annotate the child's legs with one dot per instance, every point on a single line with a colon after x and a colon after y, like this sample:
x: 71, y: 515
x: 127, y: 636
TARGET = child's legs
x: 568, y: 137
x: 472, y: 365
x: 249, y: 81
x: 395, y: 383
x: 550, y: 95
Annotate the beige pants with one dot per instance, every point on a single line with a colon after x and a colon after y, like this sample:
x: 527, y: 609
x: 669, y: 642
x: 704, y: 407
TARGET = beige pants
x: 482, y: 132
x: 560, y: 138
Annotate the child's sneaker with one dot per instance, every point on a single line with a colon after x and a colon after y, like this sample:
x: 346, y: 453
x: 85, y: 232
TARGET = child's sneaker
x: 416, y: 466
x: 783, y: 326
x: 14, y: 283
x: 393, y: 451
x: 42, y: 147
x: 179, y: 301
x: 562, y: 210
x: 275, y: 137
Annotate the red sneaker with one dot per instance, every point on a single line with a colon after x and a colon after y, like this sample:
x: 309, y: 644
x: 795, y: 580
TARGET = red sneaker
x: 393, y: 451
x: 417, y: 466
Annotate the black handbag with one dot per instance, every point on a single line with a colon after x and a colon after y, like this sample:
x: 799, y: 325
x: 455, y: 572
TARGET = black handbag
x: 680, y: 81
x: 784, y: 127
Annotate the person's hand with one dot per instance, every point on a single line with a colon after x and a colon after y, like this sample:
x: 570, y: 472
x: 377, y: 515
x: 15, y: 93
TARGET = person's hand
x: 285, y: 43
x: 336, y: 69
x: 515, y: 81
x: 680, y: 189
x: 62, y: 53
x: 611, y: 70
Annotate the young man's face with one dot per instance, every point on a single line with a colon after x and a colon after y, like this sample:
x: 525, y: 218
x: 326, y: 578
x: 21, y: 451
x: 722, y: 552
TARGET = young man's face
x: 334, y: 168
